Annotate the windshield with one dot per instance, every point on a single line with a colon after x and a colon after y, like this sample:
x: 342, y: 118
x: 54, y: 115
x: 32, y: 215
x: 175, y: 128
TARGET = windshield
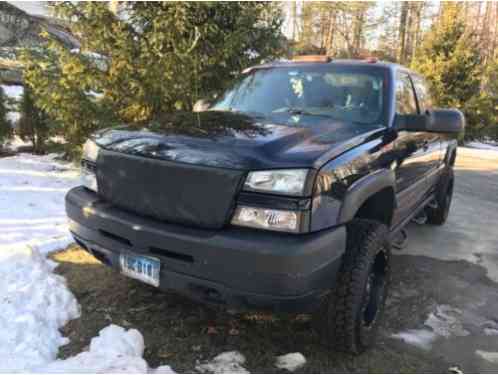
x: 351, y: 94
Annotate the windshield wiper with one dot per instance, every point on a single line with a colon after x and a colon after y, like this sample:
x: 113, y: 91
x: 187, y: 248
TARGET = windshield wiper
x: 300, y: 111
x: 248, y: 113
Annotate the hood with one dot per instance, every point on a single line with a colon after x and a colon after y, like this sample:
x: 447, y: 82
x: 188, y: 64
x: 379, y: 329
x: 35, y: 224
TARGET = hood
x: 237, y: 141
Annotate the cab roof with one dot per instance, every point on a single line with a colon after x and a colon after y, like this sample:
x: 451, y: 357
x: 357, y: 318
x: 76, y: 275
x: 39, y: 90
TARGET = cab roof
x: 350, y: 62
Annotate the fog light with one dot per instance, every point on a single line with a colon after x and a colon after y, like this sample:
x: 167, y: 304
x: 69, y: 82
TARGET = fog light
x: 279, y: 220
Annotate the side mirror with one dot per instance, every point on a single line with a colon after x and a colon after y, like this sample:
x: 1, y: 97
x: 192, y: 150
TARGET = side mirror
x: 201, y: 105
x: 414, y: 123
x: 450, y: 121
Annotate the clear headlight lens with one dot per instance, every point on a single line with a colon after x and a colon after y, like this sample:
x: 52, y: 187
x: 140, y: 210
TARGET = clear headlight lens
x: 88, y: 176
x: 279, y: 220
x: 90, y: 151
x: 279, y: 181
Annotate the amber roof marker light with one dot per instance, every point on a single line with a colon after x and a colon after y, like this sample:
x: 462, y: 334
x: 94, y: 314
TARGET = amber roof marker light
x: 312, y: 58
x: 371, y: 60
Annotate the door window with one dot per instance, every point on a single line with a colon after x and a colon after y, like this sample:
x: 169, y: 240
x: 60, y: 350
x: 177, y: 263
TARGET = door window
x: 423, y: 93
x: 405, y: 97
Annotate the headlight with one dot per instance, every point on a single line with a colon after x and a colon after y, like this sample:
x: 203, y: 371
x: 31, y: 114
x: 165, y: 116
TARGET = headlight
x: 90, y: 151
x: 88, y: 166
x: 279, y: 181
x: 263, y: 218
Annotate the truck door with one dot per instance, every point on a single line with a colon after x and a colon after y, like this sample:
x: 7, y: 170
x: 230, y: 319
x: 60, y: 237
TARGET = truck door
x: 435, y: 151
x: 413, y: 153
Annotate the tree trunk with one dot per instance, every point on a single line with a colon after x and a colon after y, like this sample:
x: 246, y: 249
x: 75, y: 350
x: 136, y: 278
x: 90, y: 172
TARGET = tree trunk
x: 402, y: 31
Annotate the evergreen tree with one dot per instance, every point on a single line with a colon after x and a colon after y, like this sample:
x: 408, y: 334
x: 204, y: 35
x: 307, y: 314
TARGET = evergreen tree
x: 5, y: 126
x: 489, y: 101
x: 449, y: 58
x: 141, y: 59
x: 33, y: 124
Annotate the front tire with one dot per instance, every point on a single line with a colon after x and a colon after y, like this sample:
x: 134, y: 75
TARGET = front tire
x: 351, y: 314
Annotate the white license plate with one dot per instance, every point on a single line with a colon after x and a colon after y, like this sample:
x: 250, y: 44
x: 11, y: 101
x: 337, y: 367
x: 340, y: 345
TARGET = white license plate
x: 140, y: 267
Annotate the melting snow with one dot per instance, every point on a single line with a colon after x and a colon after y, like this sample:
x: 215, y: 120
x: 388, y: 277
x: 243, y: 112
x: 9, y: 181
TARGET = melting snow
x: 32, y: 190
x: 34, y: 302
x: 224, y: 363
x: 444, y: 322
x: 291, y: 361
x: 421, y: 338
x: 483, y: 146
x: 114, y: 350
x: 491, y: 332
x: 488, y: 356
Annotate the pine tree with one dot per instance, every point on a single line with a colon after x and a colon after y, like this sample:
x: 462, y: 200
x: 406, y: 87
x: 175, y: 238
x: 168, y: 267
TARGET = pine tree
x: 143, y: 59
x: 33, y: 124
x: 5, y: 126
x: 489, y: 101
x: 449, y: 58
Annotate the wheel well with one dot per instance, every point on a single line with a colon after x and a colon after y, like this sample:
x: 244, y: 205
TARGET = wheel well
x: 379, y: 206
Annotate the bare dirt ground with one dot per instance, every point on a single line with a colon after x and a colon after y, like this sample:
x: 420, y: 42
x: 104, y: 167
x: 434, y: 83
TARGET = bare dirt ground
x: 447, y: 275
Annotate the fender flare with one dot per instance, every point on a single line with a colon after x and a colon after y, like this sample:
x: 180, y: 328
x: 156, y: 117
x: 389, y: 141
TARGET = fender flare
x: 364, y: 188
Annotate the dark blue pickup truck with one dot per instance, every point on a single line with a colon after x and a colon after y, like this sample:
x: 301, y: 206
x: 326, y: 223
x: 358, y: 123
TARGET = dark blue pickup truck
x: 285, y: 193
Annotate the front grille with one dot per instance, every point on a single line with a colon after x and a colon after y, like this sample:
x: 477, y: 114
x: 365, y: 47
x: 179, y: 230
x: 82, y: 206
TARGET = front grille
x: 174, y: 192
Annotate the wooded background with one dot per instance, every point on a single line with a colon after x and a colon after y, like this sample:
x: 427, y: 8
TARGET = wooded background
x: 453, y: 44
x: 136, y: 60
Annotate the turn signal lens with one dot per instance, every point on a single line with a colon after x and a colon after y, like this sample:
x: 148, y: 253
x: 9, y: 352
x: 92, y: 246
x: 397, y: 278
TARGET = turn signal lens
x: 88, y: 177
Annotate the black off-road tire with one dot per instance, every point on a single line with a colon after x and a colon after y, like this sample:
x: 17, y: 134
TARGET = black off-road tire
x: 444, y: 195
x: 349, y: 317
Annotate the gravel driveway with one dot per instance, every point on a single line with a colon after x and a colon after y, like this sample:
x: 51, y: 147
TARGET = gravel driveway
x: 442, y: 312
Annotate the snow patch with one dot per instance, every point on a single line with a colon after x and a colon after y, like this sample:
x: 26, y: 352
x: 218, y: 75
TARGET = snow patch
x: 488, y: 356
x: 491, y: 332
x: 32, y: 190
x: 483, y: 146
x: 445, y: 321
x: 114, y: 350
x: 290, y: 362
x: 13, y: 91
x: 224, y: 363
x: 421, y: 338
x: 34, y: 303
x: 162, y: 370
